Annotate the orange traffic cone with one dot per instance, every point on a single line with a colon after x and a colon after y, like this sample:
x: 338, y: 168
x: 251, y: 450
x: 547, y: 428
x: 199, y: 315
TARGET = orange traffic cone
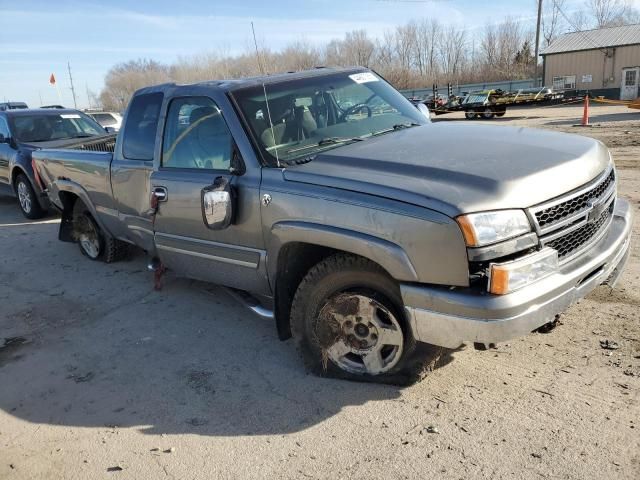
x: 585, y: 112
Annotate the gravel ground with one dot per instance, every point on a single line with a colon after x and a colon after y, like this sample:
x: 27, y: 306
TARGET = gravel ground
x: 115, y: 380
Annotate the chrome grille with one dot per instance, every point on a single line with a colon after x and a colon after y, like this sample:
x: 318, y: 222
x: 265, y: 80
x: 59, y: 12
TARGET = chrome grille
x: 551, y: 215
x: 571, y: 223
x: 572, y: 242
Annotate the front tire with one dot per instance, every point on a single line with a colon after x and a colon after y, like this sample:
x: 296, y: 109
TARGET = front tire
x: 27, y: 199
x: 348, y: 322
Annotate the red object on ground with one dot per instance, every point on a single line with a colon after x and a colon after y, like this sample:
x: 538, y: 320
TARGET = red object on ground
x: 52, y: 79
x: 157, y: 277
x: 585, y: 112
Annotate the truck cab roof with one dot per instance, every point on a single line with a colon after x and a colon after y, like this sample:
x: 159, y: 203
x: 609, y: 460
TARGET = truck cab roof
x: 236, y: 84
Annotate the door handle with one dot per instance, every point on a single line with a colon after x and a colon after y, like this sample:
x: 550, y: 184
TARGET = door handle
x: 160, y: 193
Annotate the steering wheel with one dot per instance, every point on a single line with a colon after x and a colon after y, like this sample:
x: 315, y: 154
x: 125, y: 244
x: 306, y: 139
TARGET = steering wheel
x: 356, y: 108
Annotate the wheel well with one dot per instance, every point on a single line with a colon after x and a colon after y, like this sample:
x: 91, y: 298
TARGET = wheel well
x: 68, y: 200
x: 14, y: 175
x: 294, y: 262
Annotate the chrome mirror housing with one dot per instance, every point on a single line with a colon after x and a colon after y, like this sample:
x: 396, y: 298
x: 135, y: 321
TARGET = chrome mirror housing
x: 218, y: 204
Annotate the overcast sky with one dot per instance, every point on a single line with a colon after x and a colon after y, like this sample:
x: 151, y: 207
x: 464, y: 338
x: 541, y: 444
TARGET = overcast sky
x: 38, y: 38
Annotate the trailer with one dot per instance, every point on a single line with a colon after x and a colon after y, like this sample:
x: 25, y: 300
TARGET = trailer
x: 488, y: 104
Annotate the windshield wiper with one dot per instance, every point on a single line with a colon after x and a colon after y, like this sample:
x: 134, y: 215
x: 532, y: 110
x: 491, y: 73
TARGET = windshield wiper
x: 334, y: 140
x: 397, y: 126
x: 327, y: 141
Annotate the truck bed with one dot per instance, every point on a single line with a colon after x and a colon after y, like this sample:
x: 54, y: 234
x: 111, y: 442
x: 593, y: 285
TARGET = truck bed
x: 85, y: 164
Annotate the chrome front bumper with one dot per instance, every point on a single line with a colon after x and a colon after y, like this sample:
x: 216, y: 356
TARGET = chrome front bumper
x: 451, y: 317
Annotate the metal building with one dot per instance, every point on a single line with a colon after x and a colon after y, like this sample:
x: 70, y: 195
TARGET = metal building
x: 605, y: 61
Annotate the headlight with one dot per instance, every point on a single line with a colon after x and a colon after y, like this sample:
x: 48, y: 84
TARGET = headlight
x: 509, y: 276
x: 490, y: 227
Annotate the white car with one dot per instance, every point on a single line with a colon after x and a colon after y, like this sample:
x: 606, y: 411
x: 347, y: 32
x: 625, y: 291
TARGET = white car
x: 107, y: 119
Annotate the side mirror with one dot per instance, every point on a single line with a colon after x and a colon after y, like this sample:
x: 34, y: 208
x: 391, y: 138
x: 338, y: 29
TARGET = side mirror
x: 110, y: 130
x: 218, y: 204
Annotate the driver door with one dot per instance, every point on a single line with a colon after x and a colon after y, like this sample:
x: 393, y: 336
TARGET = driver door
x: 198, y: 149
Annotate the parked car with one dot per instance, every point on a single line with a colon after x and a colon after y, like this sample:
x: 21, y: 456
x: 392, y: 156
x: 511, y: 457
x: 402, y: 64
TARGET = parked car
x: 364, y: 233
x: 23, y: 131
x: 12, y: 106
x: 109, y: 120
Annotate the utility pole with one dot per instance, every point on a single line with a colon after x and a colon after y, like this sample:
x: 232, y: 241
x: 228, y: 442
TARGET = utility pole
x: 73, y: 91
x: 537, y: 49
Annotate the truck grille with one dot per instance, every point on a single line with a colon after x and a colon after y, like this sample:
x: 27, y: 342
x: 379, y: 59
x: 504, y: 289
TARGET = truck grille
x: 571, y: 223
x: 562, y: 210
x: 572, y: 242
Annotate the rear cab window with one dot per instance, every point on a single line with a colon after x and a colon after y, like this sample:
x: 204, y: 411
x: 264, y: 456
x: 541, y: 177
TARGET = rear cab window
x: 141, y: 126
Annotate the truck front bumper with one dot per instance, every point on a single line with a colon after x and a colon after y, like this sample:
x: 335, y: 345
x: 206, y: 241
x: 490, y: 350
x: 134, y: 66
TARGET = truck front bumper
x: 451, y: 317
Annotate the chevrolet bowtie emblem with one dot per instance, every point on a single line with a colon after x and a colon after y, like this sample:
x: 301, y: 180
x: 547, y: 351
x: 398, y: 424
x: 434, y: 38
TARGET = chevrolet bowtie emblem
x: 595, y: 210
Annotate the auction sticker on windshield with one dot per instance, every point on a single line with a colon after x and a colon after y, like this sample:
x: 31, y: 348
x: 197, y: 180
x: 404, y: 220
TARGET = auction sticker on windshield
x: 364, y: 77
x: 69, y: 115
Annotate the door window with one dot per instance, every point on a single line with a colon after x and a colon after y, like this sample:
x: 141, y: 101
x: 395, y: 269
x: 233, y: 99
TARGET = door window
x: 196, y: 136
x: 630, y: 78
x: 142, y: 123
x: 4, y: 128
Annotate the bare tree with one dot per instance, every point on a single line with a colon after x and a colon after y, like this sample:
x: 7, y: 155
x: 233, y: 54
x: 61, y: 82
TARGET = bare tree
x: 552, y: 20
x: 609, y: 13
x: 125, y: 78
x: 452, y: 47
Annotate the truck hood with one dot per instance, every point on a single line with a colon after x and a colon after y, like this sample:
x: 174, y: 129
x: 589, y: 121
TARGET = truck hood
x: 459, y: 169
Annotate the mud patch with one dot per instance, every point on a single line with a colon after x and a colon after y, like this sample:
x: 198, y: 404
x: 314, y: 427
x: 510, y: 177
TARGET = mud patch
x: 9, y: 348
x: 200, y: 381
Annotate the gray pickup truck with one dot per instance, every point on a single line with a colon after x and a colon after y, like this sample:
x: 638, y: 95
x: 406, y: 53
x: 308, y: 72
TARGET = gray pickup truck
x: 330, y: 200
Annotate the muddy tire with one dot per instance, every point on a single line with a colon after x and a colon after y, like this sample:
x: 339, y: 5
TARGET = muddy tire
x: 93, y: 242
x: 348, y: 322
x: 27, y: 198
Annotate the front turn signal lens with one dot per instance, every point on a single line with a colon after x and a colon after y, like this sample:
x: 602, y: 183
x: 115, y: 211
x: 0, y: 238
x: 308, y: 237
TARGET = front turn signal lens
x: 508, y: 277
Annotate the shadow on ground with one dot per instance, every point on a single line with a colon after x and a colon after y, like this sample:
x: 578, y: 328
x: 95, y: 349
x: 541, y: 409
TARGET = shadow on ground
x: 593, y: 119
x: 102, y: 348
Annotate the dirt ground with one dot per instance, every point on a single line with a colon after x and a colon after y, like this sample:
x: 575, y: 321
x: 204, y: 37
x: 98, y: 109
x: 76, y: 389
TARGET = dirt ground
x: 115, y: 380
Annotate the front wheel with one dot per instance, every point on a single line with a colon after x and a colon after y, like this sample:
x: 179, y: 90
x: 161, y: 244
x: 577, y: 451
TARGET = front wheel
x: 348, y: 322
x: 470, y: 114
x: 29, y: 205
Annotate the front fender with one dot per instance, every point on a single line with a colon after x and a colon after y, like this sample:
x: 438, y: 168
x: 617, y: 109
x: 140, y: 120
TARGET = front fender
x: 388, y: 255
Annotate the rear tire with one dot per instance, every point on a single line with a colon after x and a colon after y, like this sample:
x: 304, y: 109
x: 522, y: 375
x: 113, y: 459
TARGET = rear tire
x: 470, y: 115
x: 347, y: 320
x: 488, y: 113
x: 27, y: 198
x: 93, y: 242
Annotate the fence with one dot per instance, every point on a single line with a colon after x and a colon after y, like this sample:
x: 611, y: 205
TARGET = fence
x: 507, y: 85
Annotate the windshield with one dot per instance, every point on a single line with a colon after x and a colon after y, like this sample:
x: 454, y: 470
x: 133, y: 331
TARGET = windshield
x: 306, y: 116
x: 44, y: 128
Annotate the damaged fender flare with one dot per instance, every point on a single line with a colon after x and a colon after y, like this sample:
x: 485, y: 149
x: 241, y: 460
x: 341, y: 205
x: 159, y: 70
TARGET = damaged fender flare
x: 387, y: 255
x: 65, y: 233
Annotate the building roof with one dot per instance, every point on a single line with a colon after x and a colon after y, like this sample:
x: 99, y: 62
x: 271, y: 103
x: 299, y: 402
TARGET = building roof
x: 595, y: 39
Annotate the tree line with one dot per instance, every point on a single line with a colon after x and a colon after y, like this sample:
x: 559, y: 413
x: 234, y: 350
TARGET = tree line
x: 413, y: 55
